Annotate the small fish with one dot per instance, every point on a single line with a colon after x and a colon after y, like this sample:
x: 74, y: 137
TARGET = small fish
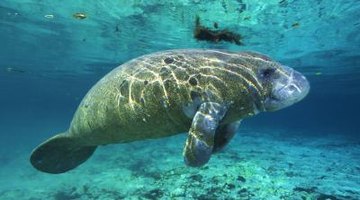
x: 247, y: 18
x: 79, y: 15
x: 49, y: 16
x: 11, y: 69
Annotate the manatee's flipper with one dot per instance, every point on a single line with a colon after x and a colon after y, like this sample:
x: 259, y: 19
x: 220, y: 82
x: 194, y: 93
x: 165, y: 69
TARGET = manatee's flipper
x: 223, y: 135
x: 60, y: 154
x: 200, y: 142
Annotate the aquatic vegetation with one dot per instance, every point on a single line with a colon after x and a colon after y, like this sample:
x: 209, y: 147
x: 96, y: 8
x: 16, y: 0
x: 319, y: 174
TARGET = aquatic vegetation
x: 204, y: 33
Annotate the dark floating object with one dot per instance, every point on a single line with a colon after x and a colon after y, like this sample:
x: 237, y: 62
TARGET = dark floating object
x: 241, y: 178
x: 204, y: 33
x: 117, y: 28
x: 295, y: 25
x: 79, y: 15
x: 216, y: 25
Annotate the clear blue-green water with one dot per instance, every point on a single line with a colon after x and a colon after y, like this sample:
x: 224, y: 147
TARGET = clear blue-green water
x: 49, y: 59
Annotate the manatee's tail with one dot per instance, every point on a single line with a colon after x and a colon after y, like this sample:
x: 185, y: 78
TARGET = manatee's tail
x: 59, y: 154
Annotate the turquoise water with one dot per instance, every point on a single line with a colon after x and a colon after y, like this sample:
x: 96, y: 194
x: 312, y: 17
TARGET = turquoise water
x: 50, y: 57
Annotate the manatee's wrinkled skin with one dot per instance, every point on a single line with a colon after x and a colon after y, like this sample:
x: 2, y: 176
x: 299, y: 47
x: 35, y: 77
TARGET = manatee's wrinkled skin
x: 158, y: 95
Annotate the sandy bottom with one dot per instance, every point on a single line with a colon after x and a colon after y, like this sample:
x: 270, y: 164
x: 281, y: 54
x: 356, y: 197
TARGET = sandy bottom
x: 256, y: 165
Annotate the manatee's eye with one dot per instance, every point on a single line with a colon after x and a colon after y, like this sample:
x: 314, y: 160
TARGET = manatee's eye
x: 266, y: 73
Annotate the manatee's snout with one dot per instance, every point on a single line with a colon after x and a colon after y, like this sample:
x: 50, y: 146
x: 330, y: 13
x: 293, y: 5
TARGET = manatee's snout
x: 290, y: 87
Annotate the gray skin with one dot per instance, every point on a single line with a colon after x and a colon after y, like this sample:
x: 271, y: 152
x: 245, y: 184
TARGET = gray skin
x: 203, y: 92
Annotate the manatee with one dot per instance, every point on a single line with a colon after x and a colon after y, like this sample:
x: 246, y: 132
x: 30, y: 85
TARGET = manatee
x: 205, y: 93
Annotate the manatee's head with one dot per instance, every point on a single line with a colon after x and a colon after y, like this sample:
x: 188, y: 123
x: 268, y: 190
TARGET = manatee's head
x: 282, y: 86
